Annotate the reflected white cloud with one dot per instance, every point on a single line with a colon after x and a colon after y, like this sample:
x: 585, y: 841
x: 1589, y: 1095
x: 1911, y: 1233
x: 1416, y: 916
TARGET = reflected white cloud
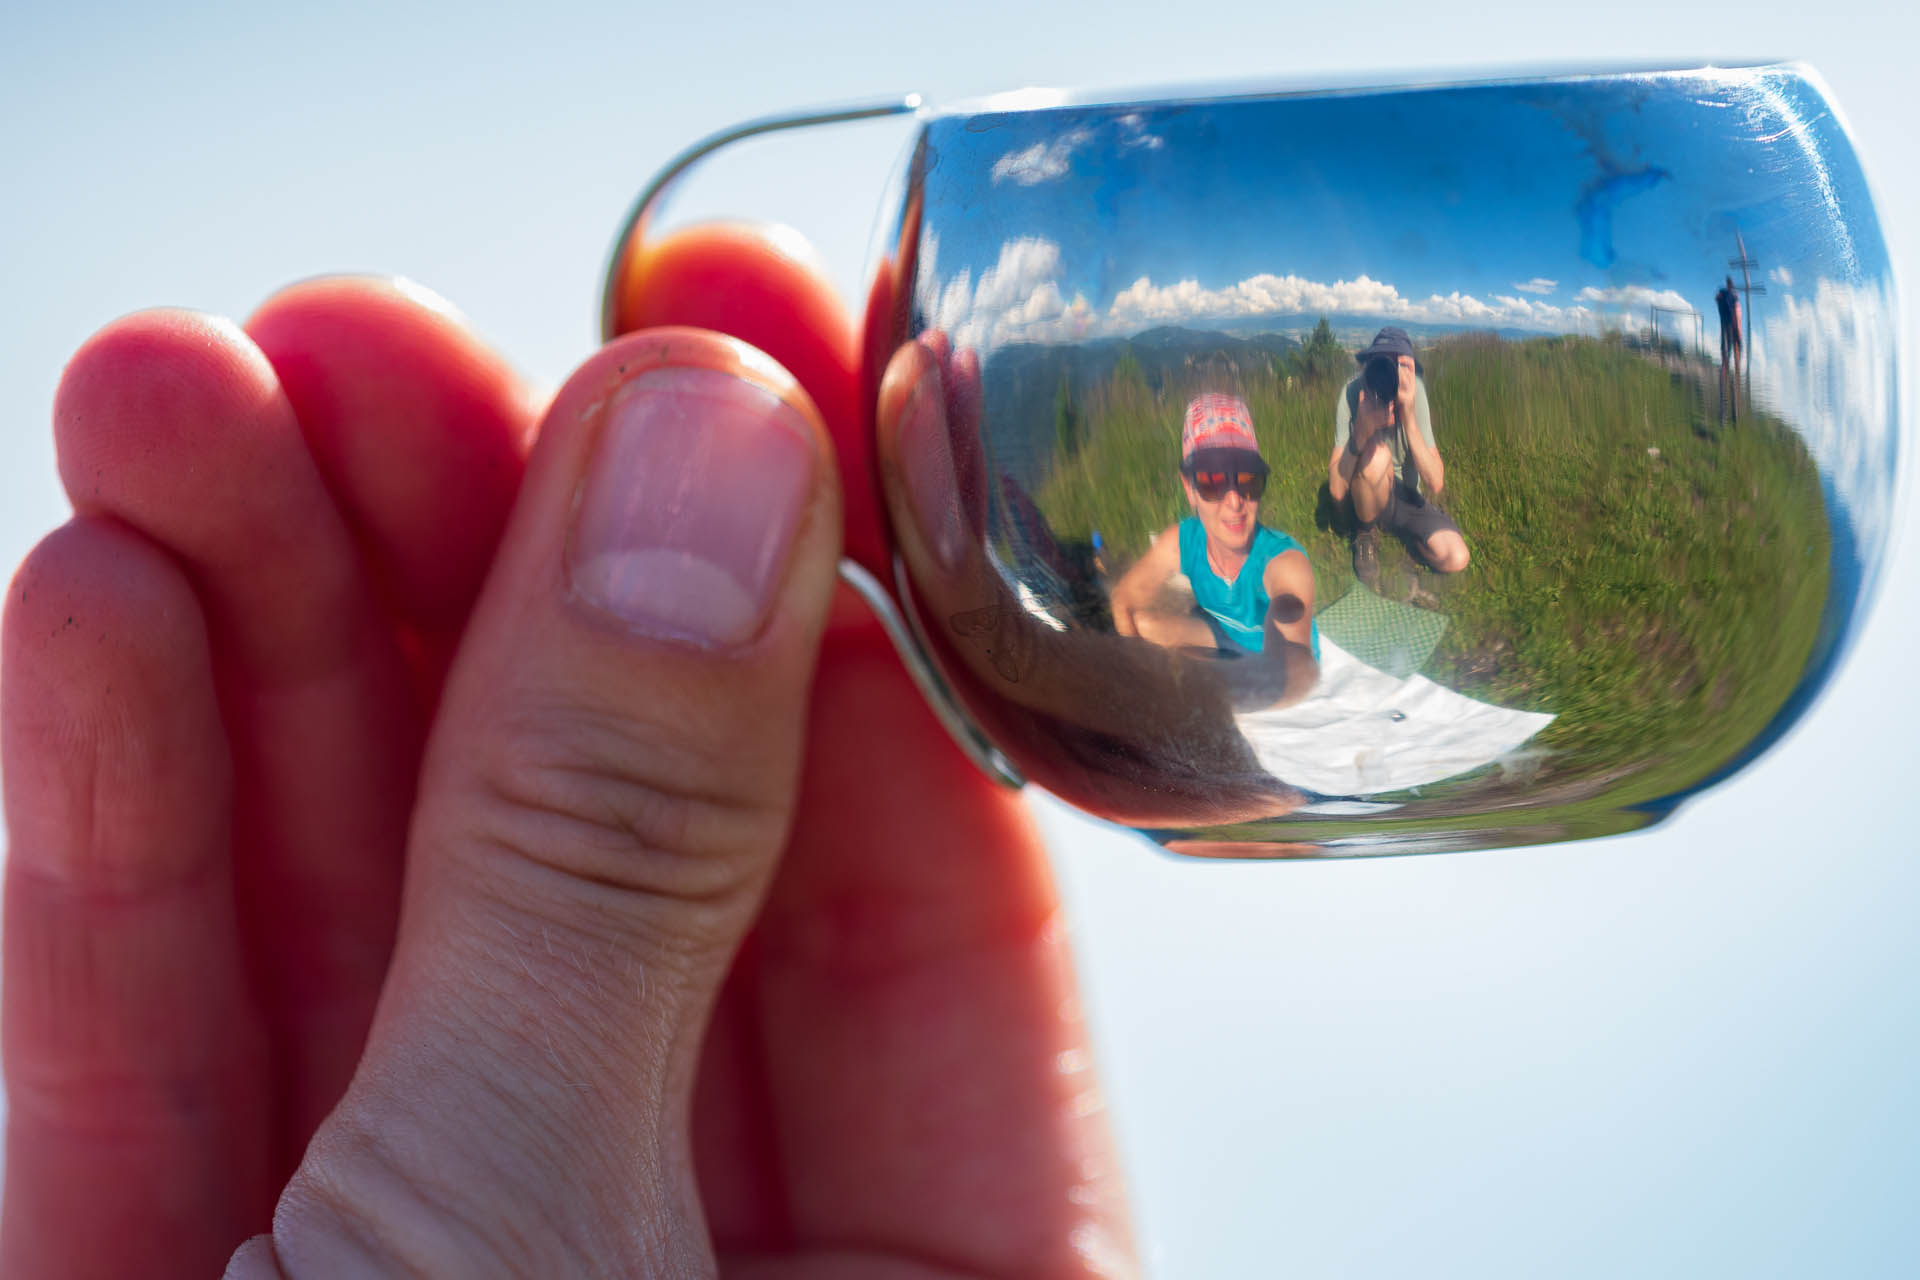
x: 1144, y: 304
x: 1041, y: 162
x: 1828, y: 365
x: 1051, y: 159
x: 1027, y: 266
x: 926, y: 270
x: 1635, y: 297
x: 1781, y: 276
x: 1023, y: 298
x: 1539, y: 284
x: 1018, y: 299
x: 1134, y: 135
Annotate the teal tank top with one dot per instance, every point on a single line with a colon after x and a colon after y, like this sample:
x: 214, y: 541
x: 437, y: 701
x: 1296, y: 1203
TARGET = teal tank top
x: 1238, y: 610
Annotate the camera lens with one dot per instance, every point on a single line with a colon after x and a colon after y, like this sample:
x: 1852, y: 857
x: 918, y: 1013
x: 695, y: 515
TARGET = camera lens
x: 1382, y: 379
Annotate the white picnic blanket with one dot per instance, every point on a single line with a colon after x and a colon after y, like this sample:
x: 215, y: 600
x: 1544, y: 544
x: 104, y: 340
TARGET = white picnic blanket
x: 1362, y: 731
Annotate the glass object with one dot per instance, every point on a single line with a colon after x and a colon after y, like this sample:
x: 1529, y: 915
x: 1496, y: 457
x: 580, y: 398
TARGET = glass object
x: 1382, y: 470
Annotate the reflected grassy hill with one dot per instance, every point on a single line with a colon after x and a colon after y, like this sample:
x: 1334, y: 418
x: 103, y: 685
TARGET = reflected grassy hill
x: 1652, y: 578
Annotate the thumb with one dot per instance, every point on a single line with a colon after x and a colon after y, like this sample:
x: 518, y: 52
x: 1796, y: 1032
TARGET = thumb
x: 610, y: 780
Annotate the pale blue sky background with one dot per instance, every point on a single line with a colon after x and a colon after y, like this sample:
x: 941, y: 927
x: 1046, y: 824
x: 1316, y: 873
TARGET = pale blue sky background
x: 1685, y: 1053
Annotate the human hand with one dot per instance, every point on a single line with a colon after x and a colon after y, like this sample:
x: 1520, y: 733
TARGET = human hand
x: 1371, y: 417
x: 322, y: 622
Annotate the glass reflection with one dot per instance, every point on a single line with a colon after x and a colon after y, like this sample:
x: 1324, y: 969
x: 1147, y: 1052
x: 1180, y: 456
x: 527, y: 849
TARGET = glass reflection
x: 1245, y: 589
x: 1416, y: 469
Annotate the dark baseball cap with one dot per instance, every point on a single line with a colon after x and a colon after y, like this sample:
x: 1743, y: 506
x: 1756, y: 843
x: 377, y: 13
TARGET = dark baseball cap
x: 1390, y: 341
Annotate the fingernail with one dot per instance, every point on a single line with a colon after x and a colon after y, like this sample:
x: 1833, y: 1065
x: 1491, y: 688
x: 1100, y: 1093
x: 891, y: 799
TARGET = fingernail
x: 692, y: 497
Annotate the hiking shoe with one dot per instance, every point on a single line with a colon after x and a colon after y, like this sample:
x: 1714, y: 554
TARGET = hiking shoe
x: 1366, y: 558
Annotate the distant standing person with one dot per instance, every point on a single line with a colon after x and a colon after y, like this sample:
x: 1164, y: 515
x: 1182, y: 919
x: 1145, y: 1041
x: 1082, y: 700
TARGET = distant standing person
x: 1385, y: 458
x: 1732, y: 347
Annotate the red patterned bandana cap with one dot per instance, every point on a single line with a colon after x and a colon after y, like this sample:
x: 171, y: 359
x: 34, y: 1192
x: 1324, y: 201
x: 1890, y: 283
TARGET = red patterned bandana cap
x: 1217, y: 422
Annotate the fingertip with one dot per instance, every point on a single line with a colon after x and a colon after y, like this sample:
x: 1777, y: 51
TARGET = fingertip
x: 909, y: 366
x: 763, y: 286
x: 964, y: 373
x: 937, y: 342
x: 145, y: 355
x: 90, y: 593
x: 140, y: 387
x: 351, y: 286
x: 743, y: 276
x: 419, y: 429
x: 913, y: 433
x: 107, y: 670
x: 393, y: 315
x: 927, y: 437
x: 169, y: 420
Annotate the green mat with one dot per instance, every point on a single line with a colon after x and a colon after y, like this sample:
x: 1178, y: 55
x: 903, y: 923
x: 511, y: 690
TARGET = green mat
x: 1394, y: 637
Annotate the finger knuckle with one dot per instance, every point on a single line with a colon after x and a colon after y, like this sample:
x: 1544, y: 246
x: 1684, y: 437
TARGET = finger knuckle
x: 364, y: 1203
x: 597, y: 798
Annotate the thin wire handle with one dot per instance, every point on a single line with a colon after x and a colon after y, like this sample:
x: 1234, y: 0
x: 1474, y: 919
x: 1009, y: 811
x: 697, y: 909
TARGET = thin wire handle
x: 909, y: 643
x: 651, y: 194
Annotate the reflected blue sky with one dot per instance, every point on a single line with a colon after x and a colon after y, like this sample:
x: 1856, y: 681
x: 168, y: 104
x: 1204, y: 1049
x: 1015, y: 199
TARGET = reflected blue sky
x: 1573, y: 206
x: 1557, y: 207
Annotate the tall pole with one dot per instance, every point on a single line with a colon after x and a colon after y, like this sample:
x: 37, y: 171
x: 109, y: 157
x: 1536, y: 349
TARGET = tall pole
x: 1748, y: 288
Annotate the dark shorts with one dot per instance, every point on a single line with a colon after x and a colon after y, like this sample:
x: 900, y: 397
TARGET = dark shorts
x: 1410, y: 515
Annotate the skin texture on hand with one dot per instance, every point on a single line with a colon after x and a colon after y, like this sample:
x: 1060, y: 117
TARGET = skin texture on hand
x: 798, y: 1003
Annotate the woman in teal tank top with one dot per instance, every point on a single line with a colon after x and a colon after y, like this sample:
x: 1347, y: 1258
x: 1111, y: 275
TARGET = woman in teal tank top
x: 1238, y: 610
x: 1246, y: 585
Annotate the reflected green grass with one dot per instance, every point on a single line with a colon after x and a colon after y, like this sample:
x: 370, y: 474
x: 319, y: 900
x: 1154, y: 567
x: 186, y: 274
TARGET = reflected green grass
x: 1651, y: 577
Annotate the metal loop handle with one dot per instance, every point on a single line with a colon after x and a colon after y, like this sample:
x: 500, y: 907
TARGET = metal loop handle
x: 652, y: 193
x: 908, y: 641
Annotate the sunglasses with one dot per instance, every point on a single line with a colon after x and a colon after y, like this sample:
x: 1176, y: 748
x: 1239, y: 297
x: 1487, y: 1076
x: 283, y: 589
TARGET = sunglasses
x: 1214, y: 485
x: 1061, y: 265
